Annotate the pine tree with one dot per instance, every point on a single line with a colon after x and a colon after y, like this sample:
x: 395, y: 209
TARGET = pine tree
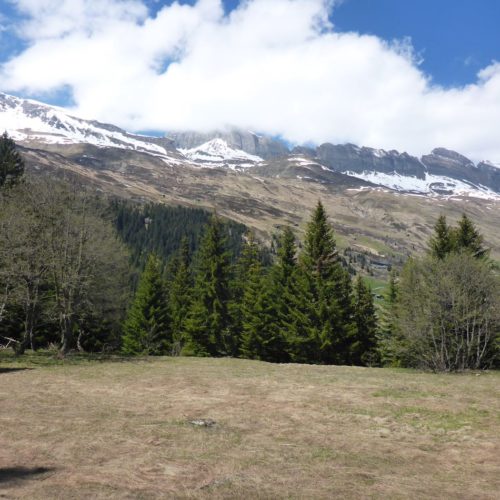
x: 329, y: 289
x: 11, y: 162
x: 250, y: 307
x: 262, y: 336
x: 147, y: 328
x: 362, y: 348
x: 300, y: 321
x: 246, y: 267
x: 320, y: 255
x: 208, y: 322
x: 442, y: 243
x: 287, y: 256
x: 282, y: 295
x: 468, y: 238
x: 387, y: 324
x: 180, y: 295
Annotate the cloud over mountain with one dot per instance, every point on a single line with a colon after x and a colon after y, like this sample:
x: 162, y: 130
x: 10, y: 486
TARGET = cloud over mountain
x: 275, y: 66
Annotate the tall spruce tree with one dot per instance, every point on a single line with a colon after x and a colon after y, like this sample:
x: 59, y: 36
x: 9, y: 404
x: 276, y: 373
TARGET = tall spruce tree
x: 261, y: 337
x: 387, y: 323
x: 300, y: 321
x: 443, y: 241
x: 208, y: 322
x: 362, y: 347
x: 330, y: 309
x: 468, y: 239
x: 287, y: 257
x: 249, y: 308
x: 282, y: 288
x: 146, y: 329
x: 180, y: 295
x: 11, y: 162
x: 249, y: 257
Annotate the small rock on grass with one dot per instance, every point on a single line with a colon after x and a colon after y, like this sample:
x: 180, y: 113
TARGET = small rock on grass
x: 203, y: 422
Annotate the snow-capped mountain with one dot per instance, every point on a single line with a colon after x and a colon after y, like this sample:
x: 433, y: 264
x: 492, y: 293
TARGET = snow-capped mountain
x: 29, y: 121
x: 254, y: 144
x: 440, y: 173
x: 217, y: 152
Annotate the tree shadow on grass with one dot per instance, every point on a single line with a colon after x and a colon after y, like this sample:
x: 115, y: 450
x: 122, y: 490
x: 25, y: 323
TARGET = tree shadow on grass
x: 10, y: 370
x: 15, y: 474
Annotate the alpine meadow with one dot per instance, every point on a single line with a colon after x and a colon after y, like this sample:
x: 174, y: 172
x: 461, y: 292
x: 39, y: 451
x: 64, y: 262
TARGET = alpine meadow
x: 249, y: 249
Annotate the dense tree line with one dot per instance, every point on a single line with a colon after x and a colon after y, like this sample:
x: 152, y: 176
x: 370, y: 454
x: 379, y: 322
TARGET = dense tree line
x: 160, y: 229
x: 302, y: 308
x: 206, y: 287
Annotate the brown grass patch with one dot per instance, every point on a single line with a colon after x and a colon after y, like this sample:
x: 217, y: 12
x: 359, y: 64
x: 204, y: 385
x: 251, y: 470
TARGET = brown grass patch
x: 123, y: 430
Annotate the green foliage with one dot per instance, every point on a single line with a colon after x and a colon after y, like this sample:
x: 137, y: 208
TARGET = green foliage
x: 362, y: 346
x: 180, y: 295
x: 261, y: 336
x: 326, y: 286
x: 468, y: 239
x: 224, y: 301
x: 443, y: 242
x: 208, y: 322
x: 448, y: 314
x: 300, y: 319
x: 147, y: 327
x: 62, y: 269
x: 157, y: 228
x: 463, y: 238
x: 387, y: 326
x: 242, y: 271
x: 11, y: 162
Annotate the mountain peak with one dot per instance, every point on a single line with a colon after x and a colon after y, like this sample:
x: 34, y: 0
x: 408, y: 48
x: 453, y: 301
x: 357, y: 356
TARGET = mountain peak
x: 37, y: 123
x: 237, y: 139
x: 452, y: 156
x: 218, y: 152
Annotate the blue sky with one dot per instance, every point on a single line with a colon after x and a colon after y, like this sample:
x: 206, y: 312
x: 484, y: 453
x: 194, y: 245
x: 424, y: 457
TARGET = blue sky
x: 403, y: 74
x: 455, y: 38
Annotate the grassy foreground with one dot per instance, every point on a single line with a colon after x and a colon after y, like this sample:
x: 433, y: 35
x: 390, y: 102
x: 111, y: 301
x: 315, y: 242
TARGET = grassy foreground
x: 100, y: 429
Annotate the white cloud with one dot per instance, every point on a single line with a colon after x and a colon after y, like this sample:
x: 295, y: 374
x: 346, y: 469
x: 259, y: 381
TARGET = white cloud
x: 276, y: 66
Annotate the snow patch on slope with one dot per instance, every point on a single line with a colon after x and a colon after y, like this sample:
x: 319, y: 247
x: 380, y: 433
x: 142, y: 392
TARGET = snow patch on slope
x: 432, y: 184
x: 26, y: 120
x: 218, y: 152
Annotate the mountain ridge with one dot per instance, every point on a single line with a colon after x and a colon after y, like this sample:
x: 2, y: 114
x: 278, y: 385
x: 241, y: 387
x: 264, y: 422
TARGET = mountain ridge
x: 440, y: 173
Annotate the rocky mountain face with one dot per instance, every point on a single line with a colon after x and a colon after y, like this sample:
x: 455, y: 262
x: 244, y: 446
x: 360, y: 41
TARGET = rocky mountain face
x: 351, y: 158
x: 442, y: 172
x: 253, y: 144
x: 451, y: 164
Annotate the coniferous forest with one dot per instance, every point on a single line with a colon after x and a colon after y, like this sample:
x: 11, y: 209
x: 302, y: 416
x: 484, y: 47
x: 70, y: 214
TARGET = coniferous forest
x: 79, y: 271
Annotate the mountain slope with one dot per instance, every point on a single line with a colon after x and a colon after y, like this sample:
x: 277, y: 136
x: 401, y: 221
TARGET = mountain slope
x: 217, y: 152
x: 441, y: 173
x: 242, y: 140
x: 383, y: 225
x: 32, y: 122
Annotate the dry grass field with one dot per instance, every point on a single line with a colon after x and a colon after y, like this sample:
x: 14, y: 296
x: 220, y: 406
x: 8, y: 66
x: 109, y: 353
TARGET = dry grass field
x: 123, y: 429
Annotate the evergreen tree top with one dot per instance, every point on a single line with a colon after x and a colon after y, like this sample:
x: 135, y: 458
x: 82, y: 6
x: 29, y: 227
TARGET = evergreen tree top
x: 320, y: 248
x: 11, y: 162
x: 441, y: 244
x: 469, y: 239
